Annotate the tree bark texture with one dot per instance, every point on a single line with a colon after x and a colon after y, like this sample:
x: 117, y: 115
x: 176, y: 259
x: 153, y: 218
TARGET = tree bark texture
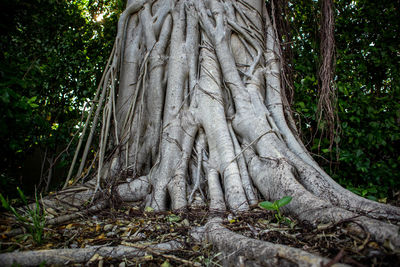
x: 191, y: 105
x: 192, y: 97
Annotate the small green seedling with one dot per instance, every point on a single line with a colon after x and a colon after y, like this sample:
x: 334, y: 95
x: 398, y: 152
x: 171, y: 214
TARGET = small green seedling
x: 34, y: 222
x: 276, y: 205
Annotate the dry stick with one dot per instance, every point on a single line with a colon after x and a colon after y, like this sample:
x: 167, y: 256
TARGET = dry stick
x: 60, y: 219
x: 336, y: 259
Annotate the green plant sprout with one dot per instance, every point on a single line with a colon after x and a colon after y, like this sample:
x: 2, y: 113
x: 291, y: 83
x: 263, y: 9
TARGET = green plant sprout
x: 275, y: 206
x: 36, y: 219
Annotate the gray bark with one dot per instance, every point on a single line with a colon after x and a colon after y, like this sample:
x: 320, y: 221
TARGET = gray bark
x: 200, y: 89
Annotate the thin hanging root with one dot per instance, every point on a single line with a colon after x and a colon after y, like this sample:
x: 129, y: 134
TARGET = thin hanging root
x: 88, y: 119
x: 111, y: 69
x: 105, y: 131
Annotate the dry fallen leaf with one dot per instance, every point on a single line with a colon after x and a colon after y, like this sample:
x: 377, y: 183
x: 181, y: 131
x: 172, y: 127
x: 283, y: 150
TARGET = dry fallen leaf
x: 166, y: 264
x: 373, y: 245
x: 101, y: 236
x: 95, y: 257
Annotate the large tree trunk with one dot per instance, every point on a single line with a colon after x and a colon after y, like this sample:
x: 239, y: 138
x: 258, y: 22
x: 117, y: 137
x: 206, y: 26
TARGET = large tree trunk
x: 191, y: 102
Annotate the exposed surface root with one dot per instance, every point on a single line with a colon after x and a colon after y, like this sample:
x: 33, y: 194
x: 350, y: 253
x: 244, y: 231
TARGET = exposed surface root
x: 240, y: 250
x: 82, y: 255
x: 135, y: 228
x: 306, y: 206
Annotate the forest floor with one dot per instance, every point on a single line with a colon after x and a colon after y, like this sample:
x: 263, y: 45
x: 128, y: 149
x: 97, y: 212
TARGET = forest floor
x: 131, y: 226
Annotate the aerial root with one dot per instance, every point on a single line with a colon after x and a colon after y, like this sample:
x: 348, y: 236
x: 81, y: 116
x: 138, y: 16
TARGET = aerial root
x: 89, y: 254
x: 239, y: 250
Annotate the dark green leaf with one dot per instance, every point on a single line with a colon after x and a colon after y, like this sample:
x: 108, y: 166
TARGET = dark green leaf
x: 4, y: 202
x: 21, y: 194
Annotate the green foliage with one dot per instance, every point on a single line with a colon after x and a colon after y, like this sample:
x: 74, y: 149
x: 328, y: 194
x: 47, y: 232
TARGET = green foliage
x: 34, y: 219
x: 275, y: 206
x: 173, y: 218
x: 368, y: 92
x: 51, y: 58
x: 368, y: 70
